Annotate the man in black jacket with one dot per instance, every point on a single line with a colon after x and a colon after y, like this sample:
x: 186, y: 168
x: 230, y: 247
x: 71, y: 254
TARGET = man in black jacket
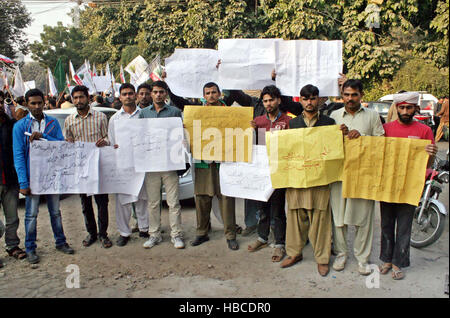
x: 309, y: 213
x: 9, y: 186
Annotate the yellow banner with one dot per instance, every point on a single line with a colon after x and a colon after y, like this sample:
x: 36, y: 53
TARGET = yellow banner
x: 220, y: 133
x: 305, y: 157
x: 385, y: 169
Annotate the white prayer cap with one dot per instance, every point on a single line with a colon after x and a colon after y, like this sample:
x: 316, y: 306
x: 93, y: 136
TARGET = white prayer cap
x: 406, y: 98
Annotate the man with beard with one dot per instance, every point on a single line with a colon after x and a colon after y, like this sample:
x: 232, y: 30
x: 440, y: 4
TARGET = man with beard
x: 36, y: 125
x: 273, y: 209
x: 144, y: 95
x: 89, y: 125
x: 355, y: 121
x: 396, y: 218
x: 309, y: 213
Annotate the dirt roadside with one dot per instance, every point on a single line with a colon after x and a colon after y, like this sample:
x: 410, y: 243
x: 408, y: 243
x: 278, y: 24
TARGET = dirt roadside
x: 208, y: 270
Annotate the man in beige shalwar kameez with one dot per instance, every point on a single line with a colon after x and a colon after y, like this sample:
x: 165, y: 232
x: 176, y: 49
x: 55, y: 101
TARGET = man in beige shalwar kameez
x: 360, y: 121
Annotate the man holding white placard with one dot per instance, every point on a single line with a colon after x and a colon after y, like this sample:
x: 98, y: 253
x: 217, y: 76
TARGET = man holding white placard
x: 153, y: 180
x: 138, y: 204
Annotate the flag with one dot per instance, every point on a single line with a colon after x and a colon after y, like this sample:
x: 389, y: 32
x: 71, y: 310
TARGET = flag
x: 156, y: 69
x: 122, y: 75
x: 139, y: 69
x: 5, y: 59
x: 101, y: 72
x: 94, y: 71
x: 75, y: 76
x: 51, y: 83
x: 87, y: 78
x: 60, y: 76
x: 19, y: 88
x: 67, y: 81
x: 113, y: 80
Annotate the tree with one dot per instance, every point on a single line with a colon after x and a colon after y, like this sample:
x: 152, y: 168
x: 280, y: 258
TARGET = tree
x: 59, y: 42
x: 13, y: 19
x: 33, y: 71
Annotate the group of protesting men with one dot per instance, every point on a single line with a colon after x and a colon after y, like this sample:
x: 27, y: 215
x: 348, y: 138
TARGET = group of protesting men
x: 319, y: 214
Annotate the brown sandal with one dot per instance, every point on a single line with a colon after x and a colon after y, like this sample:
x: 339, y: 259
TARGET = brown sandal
x: 384, y: 269
x: 257, y: 245
x: 397, y: 274
x: 278, y: 254
x: 17, y: 253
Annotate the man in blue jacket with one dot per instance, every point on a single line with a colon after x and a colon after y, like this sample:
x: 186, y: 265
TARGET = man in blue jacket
x: 34, y: 126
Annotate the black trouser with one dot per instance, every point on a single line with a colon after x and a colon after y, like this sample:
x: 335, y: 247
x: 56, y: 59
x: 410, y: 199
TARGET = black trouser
x: 396, y: 224
x: 89, y: 217
x: 273, y: 210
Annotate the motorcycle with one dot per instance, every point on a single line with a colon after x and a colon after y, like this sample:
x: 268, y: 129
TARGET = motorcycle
x: 429, y: 216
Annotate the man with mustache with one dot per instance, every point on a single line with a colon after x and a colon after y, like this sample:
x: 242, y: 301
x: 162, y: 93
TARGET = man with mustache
x: 355, y: 121
x: 396, y: 218
x: 89, y: 125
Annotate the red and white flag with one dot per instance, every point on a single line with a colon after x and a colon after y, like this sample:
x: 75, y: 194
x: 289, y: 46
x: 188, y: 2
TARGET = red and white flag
x: 122, y: 75
x: 75, y: 76
x: 5, y: 59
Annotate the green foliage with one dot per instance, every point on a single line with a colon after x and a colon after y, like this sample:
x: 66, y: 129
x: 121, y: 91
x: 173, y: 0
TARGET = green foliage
x: 416, y: 74
x: 13, y: 19
x: 59, y: 42
x: 33, y: 71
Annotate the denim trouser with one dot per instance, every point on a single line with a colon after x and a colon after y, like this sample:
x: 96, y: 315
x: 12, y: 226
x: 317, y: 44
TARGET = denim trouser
x: 31, y: 213
x: 251, y: 212
x: 9, y: 197
x: 273, y: 210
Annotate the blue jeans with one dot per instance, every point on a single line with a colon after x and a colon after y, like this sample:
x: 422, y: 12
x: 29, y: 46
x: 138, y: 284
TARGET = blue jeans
x: 31, y: 213
x: 251, y: 212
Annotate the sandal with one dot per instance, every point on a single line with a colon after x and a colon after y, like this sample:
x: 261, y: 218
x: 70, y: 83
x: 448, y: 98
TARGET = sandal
x: 278, y: 254
x: 106, y: 242
x: 17, y: 253
x: 89, y: 240
x: 257, y: 245
x: 385, y: 268
x: 397, y: 274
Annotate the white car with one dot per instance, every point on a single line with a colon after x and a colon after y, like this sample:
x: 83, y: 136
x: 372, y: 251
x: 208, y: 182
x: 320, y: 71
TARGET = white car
x: 186, y: 184
x: 427, y: 102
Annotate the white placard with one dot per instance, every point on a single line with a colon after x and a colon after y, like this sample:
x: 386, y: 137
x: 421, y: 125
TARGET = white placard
x: 102, y: 83
x: 189, y: 69
x: 247, y: 180
x: 150, y: 144
x: 114, y: 179
x: 139, y: 69
x: 58, y: 167
x: 246, y: 63
x: 303, y: 62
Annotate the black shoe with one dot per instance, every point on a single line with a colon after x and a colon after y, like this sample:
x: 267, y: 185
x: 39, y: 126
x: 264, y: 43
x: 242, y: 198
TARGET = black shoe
x: 233, y: 245
x: 122, y: 240
x: 32, y: 257
x: 65, y: 248
x: 199, y: 240
x: 89, y: 240
x: 144, y: 234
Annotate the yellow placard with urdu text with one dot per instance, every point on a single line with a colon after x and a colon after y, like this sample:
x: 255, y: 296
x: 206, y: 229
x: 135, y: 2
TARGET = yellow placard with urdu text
x: 220, y: 133
x: 305, y: 157
x: 388, y: 169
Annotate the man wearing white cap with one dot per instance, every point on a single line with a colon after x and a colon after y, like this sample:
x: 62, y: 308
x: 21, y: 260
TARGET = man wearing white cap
x: 396, y: 219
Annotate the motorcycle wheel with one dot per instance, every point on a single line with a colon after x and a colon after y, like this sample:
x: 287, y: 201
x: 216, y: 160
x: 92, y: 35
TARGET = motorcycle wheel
x: 433, y: 224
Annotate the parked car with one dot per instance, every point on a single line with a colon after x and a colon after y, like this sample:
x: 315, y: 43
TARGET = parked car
x: 381, y: 107
x: 186, y: 184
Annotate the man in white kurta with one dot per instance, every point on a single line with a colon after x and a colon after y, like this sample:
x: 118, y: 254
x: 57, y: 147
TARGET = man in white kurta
x: 125, y: 203
x: 359, y: 121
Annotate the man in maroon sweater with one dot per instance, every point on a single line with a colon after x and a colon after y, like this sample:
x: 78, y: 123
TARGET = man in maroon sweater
x: 274, y: 119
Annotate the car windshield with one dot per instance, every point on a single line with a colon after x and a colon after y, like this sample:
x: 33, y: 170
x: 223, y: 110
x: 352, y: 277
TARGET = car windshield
x: 380, y: 107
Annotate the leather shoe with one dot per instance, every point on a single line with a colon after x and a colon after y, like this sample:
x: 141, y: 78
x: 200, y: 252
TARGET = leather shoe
x: 323, y: 269
x: 65, y: 248
x: 233, y: 244
x: 122, y: 240
x: 199, y: 240
x: 144, y: 234
x: 32, y: 257
x: 289, y: 261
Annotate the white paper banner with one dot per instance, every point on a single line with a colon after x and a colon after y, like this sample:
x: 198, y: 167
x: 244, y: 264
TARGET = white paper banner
x: 150, y: 144
x: 303, y: 62
x: 58, y: 167
x: 114, y: 179
x: 246, y: 63
x: 102, y: 83
x: 247, y: 180
x: 189, y: 69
